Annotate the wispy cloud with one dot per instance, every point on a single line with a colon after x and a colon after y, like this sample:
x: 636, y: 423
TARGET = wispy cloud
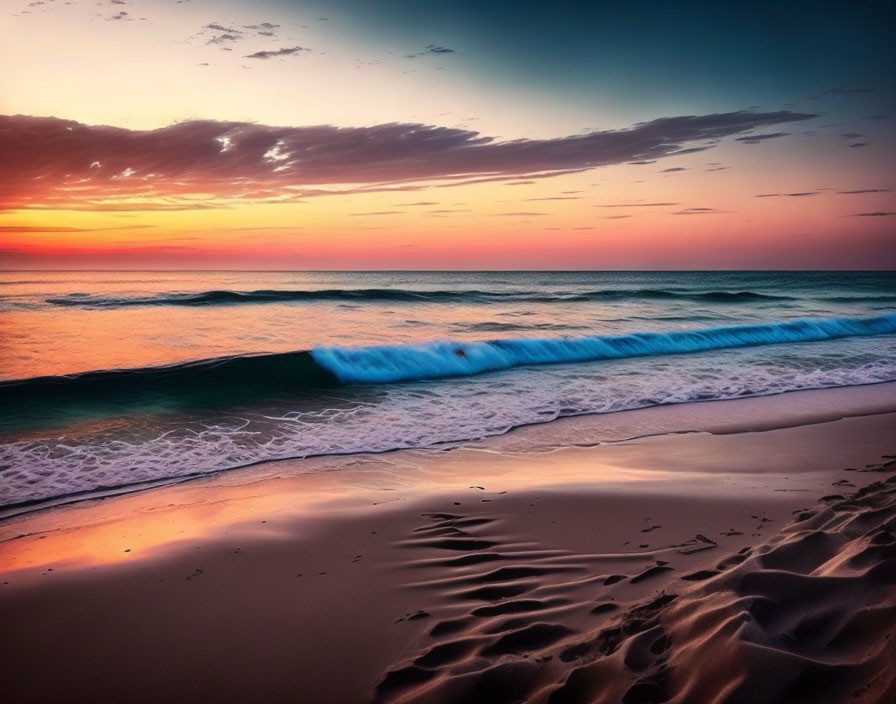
x: 378, y: 212
x: 757, y: 138
x: 519, y: 214
x: 636, y: 205
x: 214, y: 26
x: 20, y: 229
x: 122, y: 16
x: 276, y: 52
x: 223, y: 39
x: 839, y: 91
x: 789, y: 195
x: 700, y: 211
x: 431, y: 49
x: 266, y: 28
x: 555, y: 198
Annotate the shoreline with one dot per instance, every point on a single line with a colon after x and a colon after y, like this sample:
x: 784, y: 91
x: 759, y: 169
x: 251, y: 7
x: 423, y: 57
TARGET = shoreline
x: 439, y: 575
x: 838, y: 402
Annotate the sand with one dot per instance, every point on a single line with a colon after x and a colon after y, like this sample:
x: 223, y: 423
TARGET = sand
x: 728, y: 566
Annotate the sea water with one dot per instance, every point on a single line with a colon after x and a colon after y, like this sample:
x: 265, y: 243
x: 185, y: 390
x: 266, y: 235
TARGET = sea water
x: 112, y: 380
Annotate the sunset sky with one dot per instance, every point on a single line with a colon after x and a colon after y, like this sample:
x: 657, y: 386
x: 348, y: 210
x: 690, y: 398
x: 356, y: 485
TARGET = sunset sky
x: 383, y: 134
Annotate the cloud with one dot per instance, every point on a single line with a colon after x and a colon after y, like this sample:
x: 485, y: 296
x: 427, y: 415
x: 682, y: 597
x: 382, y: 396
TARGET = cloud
x: 863, y: 190
x: 205, y: 163
x: 519, y: 214
x: 693, y: 150
x: 276, y: 52
x: 699, y: 211
x: 430, y: 49
x: 635, y: 205
x: 20, y: 229
x: 221, y: 28
x: 378, y: 212
x: 858, y: 144
x: 221, y: 38
x: 839, y: 91
x: 788, y: 195
x: 555, y: 198
x: 266, y: 28
x: 872, y: 215
x: 673, y: 169
x: 223, y: 34
x: 757, y: 138
x: 111, y: 205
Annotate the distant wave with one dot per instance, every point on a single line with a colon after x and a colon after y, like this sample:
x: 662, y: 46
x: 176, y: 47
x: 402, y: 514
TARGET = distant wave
x: 212, y: 298
x: 861, y: 299
x: 243, y: 379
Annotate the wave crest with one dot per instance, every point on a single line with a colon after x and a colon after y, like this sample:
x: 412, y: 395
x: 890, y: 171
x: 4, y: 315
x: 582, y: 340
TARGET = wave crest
x: 393, y: 363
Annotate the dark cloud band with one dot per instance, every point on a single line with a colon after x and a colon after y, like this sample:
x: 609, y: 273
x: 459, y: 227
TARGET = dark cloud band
x: 54, y: 163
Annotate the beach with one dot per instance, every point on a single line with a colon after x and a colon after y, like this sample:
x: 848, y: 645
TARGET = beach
x: 387, y: 352
x: 661, y: 554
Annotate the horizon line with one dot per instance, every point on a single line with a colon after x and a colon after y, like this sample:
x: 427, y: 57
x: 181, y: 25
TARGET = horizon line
x: 457, y: 271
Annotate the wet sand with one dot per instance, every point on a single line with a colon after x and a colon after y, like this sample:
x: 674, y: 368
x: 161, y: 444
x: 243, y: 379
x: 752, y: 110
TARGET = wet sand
x: 734, y: 565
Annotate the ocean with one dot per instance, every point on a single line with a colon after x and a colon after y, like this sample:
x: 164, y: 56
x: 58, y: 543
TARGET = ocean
x: 111, y: 381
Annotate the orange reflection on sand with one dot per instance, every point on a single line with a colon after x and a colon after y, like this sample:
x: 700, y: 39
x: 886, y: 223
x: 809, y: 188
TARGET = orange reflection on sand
x: 250, y: 502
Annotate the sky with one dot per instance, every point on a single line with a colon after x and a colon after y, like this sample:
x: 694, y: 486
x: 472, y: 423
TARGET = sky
x: 385, y: 134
